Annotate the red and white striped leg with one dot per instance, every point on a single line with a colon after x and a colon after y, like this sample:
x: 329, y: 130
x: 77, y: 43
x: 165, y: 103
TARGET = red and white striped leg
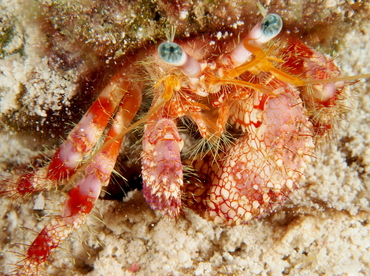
x: 82, y: 197
x: 80, y: 142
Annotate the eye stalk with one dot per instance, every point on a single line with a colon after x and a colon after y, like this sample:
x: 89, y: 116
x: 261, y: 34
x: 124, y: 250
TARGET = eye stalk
x: 172, y: 54
x: 263, y: 32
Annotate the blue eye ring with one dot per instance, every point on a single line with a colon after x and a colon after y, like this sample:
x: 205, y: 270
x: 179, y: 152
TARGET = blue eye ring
x: 272, y: 25
x: 170, y: 53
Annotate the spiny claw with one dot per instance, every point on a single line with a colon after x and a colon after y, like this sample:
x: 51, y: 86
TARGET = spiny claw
x: 259, y: 169
x: 162, y: 167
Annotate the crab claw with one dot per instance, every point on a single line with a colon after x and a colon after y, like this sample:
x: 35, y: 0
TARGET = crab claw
x: 162, y: 167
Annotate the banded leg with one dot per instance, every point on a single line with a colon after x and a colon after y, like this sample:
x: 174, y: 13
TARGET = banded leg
x: 80, y: 141
x: 82, y: 197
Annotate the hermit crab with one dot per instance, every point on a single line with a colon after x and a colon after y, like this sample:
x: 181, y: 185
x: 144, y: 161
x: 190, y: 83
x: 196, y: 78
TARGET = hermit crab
x: 258, y: 110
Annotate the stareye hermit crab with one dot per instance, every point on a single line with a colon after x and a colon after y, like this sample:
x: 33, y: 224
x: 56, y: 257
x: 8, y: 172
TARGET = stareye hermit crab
x: 257, y: 109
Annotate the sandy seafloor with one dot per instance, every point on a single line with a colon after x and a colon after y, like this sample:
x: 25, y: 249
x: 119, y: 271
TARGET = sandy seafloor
x: 324, y: 229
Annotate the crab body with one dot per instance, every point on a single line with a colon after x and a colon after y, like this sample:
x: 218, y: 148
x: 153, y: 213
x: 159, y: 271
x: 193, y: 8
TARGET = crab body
x: 266, y: 98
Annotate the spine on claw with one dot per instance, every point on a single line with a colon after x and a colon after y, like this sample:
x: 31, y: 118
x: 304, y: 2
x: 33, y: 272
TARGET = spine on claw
x: 162, y: 167
x: 260, y: 169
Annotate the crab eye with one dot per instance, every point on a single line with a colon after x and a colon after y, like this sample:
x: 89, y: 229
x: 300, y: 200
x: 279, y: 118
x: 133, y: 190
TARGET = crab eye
x: 263, y: 32
x: 171, y: 53
x: 271, y: 25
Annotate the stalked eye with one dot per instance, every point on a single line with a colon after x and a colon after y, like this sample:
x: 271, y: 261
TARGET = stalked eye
x: 170, y: 53
x: 272, y: 25
x: 263, y: 32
